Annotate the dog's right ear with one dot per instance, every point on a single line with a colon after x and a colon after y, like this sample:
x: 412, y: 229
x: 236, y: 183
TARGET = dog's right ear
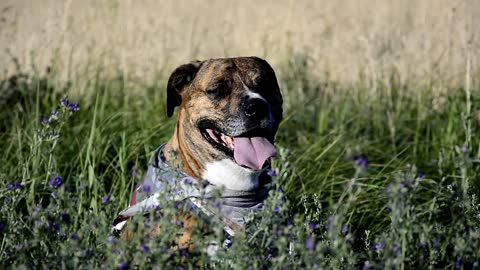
x: 180, y: 78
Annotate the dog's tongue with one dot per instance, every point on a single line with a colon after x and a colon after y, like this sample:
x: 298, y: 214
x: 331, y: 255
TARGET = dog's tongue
x: 253, y: 152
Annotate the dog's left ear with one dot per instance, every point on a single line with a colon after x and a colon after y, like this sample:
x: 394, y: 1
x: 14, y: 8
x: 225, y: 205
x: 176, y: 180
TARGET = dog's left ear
x: 180, y: 78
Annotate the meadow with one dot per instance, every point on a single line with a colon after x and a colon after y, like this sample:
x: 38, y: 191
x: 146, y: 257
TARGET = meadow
x: 379, y: 153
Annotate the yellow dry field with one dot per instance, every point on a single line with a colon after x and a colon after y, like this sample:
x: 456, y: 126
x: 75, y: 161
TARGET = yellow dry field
x: 432, y: 41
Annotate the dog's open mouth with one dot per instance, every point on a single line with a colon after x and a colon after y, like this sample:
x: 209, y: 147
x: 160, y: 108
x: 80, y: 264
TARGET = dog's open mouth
x: 252, y: 150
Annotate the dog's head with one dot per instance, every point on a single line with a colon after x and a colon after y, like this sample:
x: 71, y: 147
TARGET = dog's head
x: 229, y: 111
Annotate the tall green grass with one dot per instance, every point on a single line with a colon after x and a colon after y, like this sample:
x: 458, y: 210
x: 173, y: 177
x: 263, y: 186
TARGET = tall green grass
x: 385, y: 179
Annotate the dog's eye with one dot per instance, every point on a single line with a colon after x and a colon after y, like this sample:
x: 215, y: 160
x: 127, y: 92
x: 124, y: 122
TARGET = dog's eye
x: 217, y: 92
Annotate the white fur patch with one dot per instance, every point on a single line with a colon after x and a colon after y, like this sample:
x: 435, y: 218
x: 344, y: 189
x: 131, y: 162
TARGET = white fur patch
x: 252, y: 94
x: 230, y: 175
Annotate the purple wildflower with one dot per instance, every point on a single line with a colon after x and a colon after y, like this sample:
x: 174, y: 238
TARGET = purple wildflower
x: 289, y: 222
x: 475, y: 264
x: 361, y: 161
x: 54, y: 113
x: 111, y: 239
x: 421, y: 175
x: 122, y: 266
x: 404, y: 184
x: 396, y: 248
x: 55, y: 182
x: 313, y: 225
x: 179, y: 223
x: 345, y: 228
x: 14, y: 185
x: 310, y: 243
x: 89, y: 253
x: 451, y: 185
x: 272, y: 172
x: 464, y: 148
x: 73, y: 107
x: 146, y: 188
x: 458, y: 263
x: 65, y: 101
x: 106, y: 198
x: 183, y: 252
x: 65, y: 217
x: 45, y: 120
x: 217, y: 204
x: 187, y: 180
x: 38, y: 223
x: 144, y: 248
x: 379, y: 246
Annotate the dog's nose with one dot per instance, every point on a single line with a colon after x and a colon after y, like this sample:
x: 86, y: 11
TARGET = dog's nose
x: 256, y: 108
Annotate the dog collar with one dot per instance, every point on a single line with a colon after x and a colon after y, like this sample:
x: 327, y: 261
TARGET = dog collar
x: 227, y: 207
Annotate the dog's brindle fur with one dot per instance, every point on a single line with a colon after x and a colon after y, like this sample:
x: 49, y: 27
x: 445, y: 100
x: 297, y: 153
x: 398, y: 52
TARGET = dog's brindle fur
x: 217, y: 91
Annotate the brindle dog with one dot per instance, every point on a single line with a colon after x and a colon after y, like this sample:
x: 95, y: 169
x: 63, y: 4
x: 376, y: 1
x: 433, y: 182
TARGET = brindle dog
x: 229, y: 111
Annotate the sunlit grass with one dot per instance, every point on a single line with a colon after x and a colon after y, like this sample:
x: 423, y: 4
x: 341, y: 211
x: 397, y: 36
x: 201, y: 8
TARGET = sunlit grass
x: 383, y: 180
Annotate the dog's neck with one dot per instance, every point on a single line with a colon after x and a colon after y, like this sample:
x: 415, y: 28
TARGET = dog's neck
x: 224, y: 172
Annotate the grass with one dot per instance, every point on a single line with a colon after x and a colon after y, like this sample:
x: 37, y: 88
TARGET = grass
x: 385, y: 179
x: 351, y: 41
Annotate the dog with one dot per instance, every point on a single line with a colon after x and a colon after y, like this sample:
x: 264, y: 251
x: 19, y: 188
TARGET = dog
x: 229, y: 110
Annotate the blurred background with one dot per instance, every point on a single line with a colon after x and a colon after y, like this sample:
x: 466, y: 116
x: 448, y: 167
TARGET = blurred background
x: 431, y: 41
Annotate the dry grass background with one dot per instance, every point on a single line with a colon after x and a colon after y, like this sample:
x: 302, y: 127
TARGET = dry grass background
x: 432, y: 41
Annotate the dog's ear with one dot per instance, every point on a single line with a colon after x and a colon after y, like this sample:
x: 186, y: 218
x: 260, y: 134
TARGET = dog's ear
x: 180, y: 78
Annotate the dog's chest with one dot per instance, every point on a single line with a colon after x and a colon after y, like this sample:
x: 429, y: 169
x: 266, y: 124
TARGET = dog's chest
x: 230, y: 175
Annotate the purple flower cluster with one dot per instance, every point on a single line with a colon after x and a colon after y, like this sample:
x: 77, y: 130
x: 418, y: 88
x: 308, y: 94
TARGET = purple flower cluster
x: 14, y: 185
x: 56, y: 182
x: 70, y: 106
x: 313, y: 225
x: 361, y: 161
x: 45, y: 120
